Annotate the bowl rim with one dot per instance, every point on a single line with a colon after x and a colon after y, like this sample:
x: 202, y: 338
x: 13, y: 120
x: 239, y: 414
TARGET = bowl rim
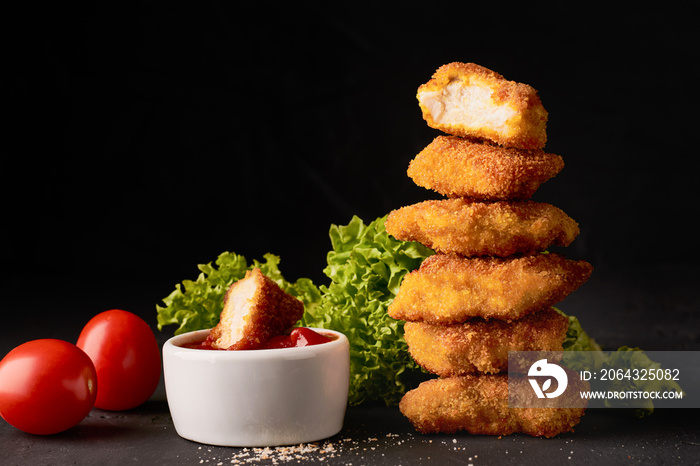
x: 172, y: 345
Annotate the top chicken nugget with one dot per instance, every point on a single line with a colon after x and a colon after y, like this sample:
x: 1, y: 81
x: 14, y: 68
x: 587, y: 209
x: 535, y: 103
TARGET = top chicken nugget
x: 468, y: 100
x: 255, y: 310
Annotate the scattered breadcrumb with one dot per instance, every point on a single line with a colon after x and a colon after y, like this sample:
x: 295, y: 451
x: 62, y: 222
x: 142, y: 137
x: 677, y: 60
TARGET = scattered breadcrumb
x: 331, y: 451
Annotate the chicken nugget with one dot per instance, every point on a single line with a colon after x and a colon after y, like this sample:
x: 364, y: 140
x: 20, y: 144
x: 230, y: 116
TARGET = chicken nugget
x: 478, y: 404
x: 255, y: 310
x: 465, y: 99
x: 457, y: 167
x: 481, y: 345
x: 500, y: 228
x: 449, y: 289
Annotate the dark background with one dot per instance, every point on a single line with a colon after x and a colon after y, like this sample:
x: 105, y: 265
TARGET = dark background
x: 138, y: 142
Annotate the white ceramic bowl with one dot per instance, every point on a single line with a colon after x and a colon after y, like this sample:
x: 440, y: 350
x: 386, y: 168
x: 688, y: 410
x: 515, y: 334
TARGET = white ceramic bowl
x: 257, y: 398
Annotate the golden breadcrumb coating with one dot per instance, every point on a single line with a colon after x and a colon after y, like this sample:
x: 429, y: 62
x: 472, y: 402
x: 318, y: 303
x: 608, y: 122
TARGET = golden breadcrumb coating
x: 449, y: 289
x: 255, y: 310
x: 499, y: 228
x: 457, y: 167
x: 465, y: 99
x: 478, y: 404
x: 480, y: 345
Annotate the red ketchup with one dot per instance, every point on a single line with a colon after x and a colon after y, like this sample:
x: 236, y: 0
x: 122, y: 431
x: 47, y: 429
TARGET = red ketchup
x: 300, y: 336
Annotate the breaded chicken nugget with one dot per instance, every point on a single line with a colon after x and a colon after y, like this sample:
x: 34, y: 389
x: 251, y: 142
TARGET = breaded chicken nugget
x: 478, y: 404
x: 255, y: 310
x: 465, y: 99
x: 457, y: 167
x: 482, y: 228
x: 449, y: 289
x: 480, y: 345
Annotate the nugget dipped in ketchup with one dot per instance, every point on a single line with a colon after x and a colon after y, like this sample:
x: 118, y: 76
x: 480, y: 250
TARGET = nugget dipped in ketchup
x: 258, y: 314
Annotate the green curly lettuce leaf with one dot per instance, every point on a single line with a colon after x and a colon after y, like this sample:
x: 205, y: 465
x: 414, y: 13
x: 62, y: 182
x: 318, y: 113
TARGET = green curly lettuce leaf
x: 596, y: 359
x: 635, y: 358
x: 577, y: 339
x: 197, y: 304
x: 366, y: 267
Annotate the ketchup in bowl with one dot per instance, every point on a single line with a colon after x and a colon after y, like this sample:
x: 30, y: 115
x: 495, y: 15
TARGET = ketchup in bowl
x: 242, y: 398
x: 300, y: 336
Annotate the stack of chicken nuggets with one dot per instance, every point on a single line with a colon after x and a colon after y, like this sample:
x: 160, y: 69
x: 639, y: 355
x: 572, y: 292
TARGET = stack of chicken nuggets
x: 491, y: 285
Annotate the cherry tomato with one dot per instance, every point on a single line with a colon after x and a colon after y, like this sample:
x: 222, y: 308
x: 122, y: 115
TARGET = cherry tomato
x: 126, y: 356
x: 46, y: 386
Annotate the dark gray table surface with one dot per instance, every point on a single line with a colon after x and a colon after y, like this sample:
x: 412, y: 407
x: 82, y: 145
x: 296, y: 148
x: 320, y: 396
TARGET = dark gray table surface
x: 371, y: 435
x: 654, y: 309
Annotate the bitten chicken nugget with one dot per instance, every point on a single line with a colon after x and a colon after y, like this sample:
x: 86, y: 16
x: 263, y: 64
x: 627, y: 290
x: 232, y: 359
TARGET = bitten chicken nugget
x: 481, y: 345
x: 499, y: 228
x: 255, y: 310
x: 465, y: 99
x: 457, y: 167
x: 449, y: 289
x: 478, y: 404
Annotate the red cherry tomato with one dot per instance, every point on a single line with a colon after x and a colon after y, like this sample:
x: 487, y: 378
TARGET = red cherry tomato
x: 126, y: 356
x: 46, y: 386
